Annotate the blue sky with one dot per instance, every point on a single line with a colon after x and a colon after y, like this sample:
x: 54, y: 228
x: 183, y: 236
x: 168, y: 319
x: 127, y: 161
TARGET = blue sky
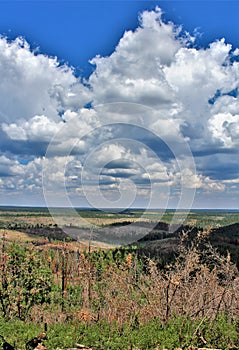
x: 166, y: 133
x: 76, y: 31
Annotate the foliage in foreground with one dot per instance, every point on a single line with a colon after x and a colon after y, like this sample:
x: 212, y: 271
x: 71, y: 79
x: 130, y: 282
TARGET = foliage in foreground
x: 177, y: 332
x: 114, y: 300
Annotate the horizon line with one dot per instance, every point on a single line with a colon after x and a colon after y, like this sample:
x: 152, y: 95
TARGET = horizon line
x: 113, y: 209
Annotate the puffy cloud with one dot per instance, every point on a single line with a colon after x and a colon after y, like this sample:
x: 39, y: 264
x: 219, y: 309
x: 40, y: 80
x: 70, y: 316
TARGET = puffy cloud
x: 38, y: 128
x: 35, y: 90
x: 9, y: 167
x: 225, y: 127
x: 134, y: 73
x: 197, y: 75
x: 35, y: 84
x: 192, y: 180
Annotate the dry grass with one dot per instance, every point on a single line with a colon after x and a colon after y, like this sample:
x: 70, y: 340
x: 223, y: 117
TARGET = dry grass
x: 42, y: 243
x: 26, y: 220
x: 62, y: 220
x: 18, y: 237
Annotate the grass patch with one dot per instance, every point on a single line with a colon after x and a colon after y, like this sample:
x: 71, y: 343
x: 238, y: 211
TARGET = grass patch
x: 177, y: 332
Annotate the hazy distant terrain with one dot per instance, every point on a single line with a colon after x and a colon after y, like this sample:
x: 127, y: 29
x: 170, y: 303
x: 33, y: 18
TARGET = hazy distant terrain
x: 151, y: 232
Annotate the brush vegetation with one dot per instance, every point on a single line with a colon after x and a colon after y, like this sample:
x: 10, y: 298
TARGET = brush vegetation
x: 128, y: 297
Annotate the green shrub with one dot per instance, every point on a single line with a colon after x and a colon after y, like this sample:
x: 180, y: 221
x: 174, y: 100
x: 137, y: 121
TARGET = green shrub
x: 25, y: 281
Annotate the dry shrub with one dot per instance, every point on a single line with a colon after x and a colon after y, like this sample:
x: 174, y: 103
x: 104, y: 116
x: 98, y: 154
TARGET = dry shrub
x: 200, y: 283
